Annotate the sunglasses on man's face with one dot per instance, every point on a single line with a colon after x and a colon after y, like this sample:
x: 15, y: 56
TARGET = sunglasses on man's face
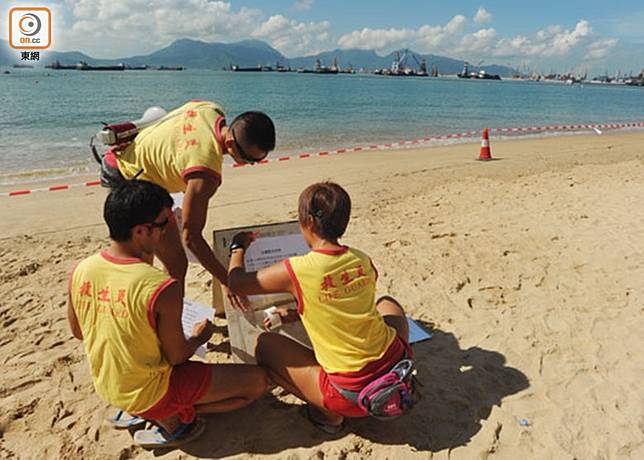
x: 161, y: 224
x: 242, y: 153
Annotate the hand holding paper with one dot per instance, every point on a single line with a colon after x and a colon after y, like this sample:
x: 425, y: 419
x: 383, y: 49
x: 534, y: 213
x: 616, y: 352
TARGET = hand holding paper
x: 203, y: 330
x: 192, y: 322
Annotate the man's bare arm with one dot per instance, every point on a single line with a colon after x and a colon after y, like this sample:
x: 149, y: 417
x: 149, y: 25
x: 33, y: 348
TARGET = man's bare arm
x: 73, y: 320
x: 201, y: 187
x: 272, y: 279
x: 168, y: 310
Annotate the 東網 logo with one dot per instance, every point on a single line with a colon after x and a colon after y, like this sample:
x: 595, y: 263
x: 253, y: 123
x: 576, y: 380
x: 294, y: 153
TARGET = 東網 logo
x: 30, y: 27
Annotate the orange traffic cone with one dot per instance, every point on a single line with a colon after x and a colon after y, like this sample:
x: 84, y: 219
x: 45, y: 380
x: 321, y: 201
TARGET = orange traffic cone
x: 485, y: 154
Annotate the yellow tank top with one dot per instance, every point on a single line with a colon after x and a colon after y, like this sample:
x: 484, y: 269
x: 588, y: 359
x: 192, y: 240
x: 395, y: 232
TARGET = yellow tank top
x: 113, y: 299
x: 186, y: 140
x: 336, y: 301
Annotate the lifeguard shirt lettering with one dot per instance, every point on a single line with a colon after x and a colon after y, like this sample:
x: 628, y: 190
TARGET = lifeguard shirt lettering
x: 336, y: 300
x: 186, y: 140
x: 113, y: 299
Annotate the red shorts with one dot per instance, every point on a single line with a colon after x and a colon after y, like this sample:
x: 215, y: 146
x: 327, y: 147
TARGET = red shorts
x: 355, y: 381
x: 188, y: 383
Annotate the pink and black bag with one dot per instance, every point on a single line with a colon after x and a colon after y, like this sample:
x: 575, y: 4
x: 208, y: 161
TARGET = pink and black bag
x: 389, y: 396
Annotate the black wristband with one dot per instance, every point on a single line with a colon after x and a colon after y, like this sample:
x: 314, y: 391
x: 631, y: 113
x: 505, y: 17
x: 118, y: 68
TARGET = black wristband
x: 234, y: 246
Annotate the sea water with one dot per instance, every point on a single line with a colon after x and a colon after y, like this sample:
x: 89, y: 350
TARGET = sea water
x: 48, y: 116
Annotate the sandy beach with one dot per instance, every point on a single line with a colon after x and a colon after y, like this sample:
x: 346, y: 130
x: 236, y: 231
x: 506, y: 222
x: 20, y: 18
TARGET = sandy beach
x: 528, y: 269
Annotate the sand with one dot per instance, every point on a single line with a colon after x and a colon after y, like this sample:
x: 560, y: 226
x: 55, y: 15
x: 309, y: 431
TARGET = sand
x: 529, y: 269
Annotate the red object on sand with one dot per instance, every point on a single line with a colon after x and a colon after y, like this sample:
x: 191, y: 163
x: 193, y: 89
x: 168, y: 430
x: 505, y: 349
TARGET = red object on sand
x: 485, y: 153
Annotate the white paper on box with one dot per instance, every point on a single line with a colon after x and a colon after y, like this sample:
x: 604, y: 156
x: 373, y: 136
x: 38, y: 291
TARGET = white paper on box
x: 274, y: 243
x: 269, y: 250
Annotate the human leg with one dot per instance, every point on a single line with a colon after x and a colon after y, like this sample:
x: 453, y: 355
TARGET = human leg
x: 293, y: 367
x: 197, y: 387
x: 232, y: 386
x: 394, y: 315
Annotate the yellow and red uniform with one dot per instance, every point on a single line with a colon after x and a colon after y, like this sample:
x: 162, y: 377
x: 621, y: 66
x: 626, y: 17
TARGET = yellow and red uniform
x: 351, y: 341
x: 186, y: 140
x: 114, y: 300
x: 336, y: 301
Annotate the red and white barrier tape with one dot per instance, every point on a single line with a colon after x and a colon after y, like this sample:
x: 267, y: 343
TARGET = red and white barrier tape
x: 53, y: 188
x: 304, y: 155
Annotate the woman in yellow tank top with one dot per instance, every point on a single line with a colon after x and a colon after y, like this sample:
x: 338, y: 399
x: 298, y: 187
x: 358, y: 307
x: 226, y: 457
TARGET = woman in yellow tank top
x: 354, y: 338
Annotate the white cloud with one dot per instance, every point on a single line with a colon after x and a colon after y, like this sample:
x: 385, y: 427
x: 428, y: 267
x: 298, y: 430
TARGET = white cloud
x: 482, y: 16
x: 114, y: 28
x: 600, y: 49
x: 303, y: 5
x: 292, y: 37
x: 375, y: 38
x: 481, y: 40
x: 427, y: 37
x: 454, y: 40
x: 512, y: 46
x: 460, y: 39
x: 274, y: 25
x: 455, y: 24
x: 553, y: 41
x: 111, y: 28
x: 564, y: 41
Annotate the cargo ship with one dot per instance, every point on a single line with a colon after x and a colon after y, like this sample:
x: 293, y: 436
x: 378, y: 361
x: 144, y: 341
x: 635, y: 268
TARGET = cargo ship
x: 82, y: 65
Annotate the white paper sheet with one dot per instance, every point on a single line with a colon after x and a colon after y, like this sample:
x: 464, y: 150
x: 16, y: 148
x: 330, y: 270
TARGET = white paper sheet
x: 178, y: 200
x: 194, y: 312
x: 266, y: 251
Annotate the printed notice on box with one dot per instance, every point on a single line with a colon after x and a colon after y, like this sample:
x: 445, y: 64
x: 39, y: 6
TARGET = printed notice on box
x: 274, y: 243
x: 269, y: 250
x: 194, y: 312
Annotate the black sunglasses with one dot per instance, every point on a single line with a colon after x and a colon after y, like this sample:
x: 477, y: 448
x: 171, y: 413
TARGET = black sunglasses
x: 242, y: 153
x: 161, y: 224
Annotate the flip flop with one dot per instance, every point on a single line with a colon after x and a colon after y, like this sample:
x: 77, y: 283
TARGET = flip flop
x: 157, y: 437
x: 321, y: 424
x: 122, y: 420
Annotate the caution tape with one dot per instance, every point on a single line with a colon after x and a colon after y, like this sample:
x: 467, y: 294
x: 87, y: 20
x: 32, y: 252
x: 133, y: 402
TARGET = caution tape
x: 371, y: 147
x: 53, y: 188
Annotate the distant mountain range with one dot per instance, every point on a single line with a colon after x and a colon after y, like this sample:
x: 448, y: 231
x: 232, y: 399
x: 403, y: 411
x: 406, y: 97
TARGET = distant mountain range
x: 194, y: 54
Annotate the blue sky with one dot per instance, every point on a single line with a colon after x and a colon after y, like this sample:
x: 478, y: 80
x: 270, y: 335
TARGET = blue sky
x: 512, y: 17
x: 594, y: 36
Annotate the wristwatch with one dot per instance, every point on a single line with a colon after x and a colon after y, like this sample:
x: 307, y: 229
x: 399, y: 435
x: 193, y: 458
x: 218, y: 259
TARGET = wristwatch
x: 234, y: 246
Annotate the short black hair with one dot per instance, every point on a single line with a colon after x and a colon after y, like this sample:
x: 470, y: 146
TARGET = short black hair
x: 255, y: 129
x: 328, y: 206
x: 131, y: 203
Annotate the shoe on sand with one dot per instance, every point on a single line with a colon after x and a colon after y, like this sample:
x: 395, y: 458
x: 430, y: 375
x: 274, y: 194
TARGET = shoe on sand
x: 320, y: 422
x: 121, y: 420
x: 157, y: 437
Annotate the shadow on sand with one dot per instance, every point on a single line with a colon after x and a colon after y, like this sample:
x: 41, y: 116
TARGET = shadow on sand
x: 460, y: 387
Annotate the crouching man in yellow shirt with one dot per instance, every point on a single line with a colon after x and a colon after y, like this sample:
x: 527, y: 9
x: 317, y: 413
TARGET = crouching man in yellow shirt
x: 128, y: 314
